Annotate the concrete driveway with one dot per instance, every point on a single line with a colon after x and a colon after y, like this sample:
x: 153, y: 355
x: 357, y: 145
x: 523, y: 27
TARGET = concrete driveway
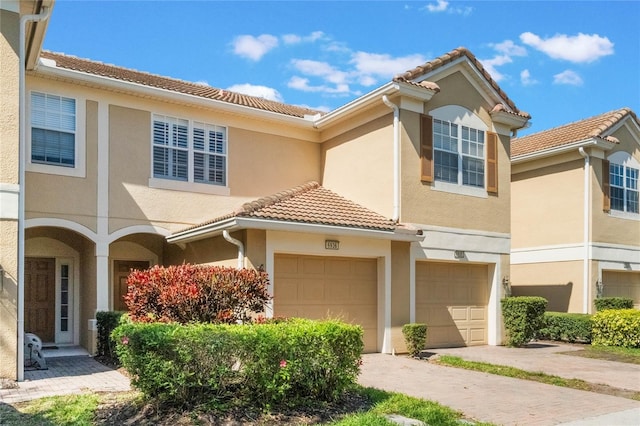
x: 508, y: 401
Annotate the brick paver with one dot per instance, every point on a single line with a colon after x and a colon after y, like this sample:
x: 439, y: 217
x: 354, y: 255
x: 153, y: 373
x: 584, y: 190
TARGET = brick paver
x: 485, y: 397
x: 66, y: 375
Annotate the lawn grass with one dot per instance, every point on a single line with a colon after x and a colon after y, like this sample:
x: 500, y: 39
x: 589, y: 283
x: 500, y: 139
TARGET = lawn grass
x: 609, y: 353
x: 82, y: 409
x: 503, y: 370
x: 56, y: 410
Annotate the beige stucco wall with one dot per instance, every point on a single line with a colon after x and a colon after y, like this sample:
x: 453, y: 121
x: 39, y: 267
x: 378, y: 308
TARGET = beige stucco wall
x: 9, y: 110
x: 421, y: 203
x: 560, y: 283
x: 358, y: 163
x: 211, y: 251
x: 551, y: 196
x: 78, y: 201
x: 606, y: 227
x: 400, y: 293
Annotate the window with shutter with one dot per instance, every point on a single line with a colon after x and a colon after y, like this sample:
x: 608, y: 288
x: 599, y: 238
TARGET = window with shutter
x: 492, y: 163
x: 189, y: 151
x: 622, y: 182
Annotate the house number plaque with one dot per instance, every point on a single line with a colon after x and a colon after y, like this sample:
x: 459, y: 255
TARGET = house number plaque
x: 332, y: 244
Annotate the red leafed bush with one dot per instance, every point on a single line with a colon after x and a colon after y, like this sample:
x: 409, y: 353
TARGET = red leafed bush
x: 194, y: 293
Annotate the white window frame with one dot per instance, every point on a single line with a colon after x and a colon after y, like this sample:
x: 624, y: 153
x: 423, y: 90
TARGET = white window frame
x: 625, y: 161
x: 461, y: 117
x: 79, y: 167
x: 190, y: 184
x: 66, y: 336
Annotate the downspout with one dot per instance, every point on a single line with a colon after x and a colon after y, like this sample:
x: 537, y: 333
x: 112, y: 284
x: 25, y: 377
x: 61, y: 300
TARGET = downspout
x: 585, y: 272
x: 232, y: 240
x: 396, y: 157
x: 21, y: 179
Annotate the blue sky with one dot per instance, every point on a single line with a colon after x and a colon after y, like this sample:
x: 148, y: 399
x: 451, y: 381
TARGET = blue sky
x: 560, y: 61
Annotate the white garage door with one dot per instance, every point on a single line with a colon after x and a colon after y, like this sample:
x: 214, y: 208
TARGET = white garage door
x: 622, y: 284
x: 319, y: 287
x: 452, y: 298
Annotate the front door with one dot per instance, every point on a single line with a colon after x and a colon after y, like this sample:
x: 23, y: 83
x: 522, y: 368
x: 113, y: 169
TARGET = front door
x: 122, y: 270
x: 40, y: 297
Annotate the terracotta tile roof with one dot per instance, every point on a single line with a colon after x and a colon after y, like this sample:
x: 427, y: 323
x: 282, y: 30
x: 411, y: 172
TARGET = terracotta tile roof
x: 592, y: 127
x: 172, y: 84
x: 430, y: 66
x: 313, y: 204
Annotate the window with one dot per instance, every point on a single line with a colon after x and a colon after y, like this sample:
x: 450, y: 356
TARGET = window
x: 189, y: 151
x: 64, y: 298
x: 623, y: 184
x: 458, y: 153
x: 53, y: 130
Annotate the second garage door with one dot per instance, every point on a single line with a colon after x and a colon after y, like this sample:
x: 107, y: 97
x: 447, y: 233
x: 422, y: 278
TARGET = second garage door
x: 622, y: 284
x: 318, y: 287
x: 452, y: 300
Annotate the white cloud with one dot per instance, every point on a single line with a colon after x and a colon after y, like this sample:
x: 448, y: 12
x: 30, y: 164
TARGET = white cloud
x: 257, y: 90
x: 579, y: 48
x: 295, y: 39
x: 491, y: 64
x: 525, y: 78
x: 568, y: 77
x: 384, y: 65
x: 301, y: 83
x: 252, y: 47
x: 509, y: 48
x: 440, y: 6
x: 320, y: 69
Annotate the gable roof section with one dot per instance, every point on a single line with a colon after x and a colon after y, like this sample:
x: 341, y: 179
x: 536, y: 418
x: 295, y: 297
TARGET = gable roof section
x: 595, y: 127
x: 175, y: 85
x: 461, y: 52
x: 308, y: 204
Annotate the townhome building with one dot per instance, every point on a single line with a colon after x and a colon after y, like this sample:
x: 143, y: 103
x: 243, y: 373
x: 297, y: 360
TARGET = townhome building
x: 393, y: 208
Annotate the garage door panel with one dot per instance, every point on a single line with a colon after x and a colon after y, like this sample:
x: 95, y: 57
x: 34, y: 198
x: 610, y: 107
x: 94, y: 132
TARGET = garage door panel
x: 452, y: 300
x: 622, y: 284
x: 325, y: 287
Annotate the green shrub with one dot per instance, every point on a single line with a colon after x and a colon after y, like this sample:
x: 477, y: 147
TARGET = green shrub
x: 286, y: 363
x: 603, y: 303
x: 106, y: 322
x: 522, y: 318
x: 617, y: 327
x: 565, y: 327
x: 415, y: 337
x: 196, y: 293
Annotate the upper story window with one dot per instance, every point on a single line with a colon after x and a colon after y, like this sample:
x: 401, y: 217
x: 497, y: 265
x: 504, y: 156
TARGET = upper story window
x: 623, y: 171
x: 458, y: 153
x: 53, y: 130
x: 189, y: 151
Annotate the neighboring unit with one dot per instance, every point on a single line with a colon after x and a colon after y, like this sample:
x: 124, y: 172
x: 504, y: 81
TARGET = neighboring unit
x: 575, y: 215
x: 391, y: 209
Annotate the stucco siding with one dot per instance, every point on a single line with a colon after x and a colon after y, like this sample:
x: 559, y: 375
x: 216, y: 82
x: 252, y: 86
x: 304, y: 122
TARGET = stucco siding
x: 560, y: 283
x: 358, y: 164
x: 547, y: 206
x: 400, y: 293
x: 421, y: 203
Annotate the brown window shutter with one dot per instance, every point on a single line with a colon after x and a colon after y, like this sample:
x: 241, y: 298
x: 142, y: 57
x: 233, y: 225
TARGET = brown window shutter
x: 426, y: 148
x: 606, y: 204
x: 492, y: 163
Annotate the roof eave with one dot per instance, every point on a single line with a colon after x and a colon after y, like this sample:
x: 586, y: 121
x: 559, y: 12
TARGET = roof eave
x: 510, y: 119
x: 215, y: 229
x: 129, y: 87
x: 584, y: 143
x: 374, y: 97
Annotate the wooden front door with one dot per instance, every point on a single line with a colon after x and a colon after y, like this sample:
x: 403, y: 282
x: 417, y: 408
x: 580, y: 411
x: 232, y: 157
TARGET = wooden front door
x: 40, y: 297
x: 122, y: 270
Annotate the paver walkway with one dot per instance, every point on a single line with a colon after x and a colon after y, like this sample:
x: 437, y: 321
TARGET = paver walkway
x: 503, y: 400
x: 66, y: 375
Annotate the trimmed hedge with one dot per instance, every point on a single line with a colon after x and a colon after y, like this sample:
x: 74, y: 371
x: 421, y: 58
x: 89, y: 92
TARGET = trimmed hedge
x: 106, y: 322
x: 286, y: 363
x: 566, y: 327
x: 522, y: 318
x: 415, y: 337
x: 617, y: 327
x: 603, y: 303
